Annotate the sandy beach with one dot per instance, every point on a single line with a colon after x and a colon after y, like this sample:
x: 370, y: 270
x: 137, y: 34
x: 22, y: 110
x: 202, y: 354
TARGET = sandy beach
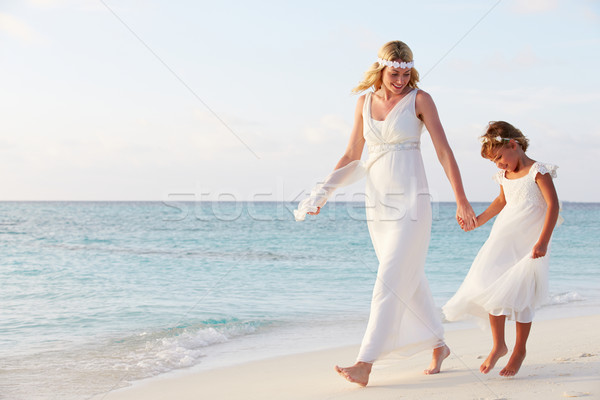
x: 563, y: 361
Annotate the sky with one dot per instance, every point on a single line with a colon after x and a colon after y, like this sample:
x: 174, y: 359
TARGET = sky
x: 234, y: 100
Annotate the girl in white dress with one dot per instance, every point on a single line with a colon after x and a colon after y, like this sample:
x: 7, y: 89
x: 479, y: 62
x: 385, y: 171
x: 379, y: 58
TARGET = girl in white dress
x: 389, y: 119
x: 509, y: 276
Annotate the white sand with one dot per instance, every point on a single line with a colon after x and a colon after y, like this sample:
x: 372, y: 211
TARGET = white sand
x: 563, y: 361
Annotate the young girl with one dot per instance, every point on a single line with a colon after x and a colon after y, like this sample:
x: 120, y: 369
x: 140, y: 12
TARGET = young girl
x: 510, y: 273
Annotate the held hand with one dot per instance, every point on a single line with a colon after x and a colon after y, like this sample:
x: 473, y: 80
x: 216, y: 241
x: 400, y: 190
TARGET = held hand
x: 539, y: 250
x: 465, y: 216
x: 315, y: 213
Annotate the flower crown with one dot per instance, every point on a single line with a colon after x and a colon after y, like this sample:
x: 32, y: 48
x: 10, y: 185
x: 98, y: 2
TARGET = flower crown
x: 395, y: 64
x: 498, y: 139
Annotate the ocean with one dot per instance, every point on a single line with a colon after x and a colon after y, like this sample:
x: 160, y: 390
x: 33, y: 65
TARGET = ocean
x: 96, y: 295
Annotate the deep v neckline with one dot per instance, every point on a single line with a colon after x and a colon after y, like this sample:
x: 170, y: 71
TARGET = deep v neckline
x: 389, y: 112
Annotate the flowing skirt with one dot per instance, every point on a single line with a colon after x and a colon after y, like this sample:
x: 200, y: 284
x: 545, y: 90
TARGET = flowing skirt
x: 504, y: 279
x: 403, y: 318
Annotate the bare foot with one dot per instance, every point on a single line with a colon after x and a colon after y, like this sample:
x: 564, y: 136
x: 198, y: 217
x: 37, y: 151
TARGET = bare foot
x: 491, y: 360
x: 439, y: 355
x: 358, y: 373
x: 514, y: 364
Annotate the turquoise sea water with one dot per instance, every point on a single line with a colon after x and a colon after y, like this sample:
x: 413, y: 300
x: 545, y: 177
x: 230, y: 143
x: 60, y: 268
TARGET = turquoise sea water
x: 95, y: 295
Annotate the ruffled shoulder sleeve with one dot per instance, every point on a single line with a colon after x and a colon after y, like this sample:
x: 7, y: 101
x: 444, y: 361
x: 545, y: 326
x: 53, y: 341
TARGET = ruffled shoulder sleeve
x: 544, y: 168
x: 498, y: 176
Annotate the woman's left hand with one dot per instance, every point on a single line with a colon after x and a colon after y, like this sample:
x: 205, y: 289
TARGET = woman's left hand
x: 539, y: 250
x: 465, y: 216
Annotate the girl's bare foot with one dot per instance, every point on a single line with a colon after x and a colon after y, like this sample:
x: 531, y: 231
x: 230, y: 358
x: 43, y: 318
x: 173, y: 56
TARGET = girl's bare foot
x: 358, y: 373
x: 439, y: 355
x: 492, y: 358
x: 514, y: 364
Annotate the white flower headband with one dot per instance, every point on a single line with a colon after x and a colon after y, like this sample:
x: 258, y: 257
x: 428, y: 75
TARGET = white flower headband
x: 498, y: 139
x: 395, y: 64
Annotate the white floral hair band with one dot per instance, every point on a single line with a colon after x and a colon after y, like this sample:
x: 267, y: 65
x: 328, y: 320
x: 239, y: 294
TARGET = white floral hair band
x: 498, y: 139
x: 395, y: 64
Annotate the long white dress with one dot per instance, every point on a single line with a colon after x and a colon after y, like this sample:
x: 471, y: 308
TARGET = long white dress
x: 403, y: 319
x: 504, y: 279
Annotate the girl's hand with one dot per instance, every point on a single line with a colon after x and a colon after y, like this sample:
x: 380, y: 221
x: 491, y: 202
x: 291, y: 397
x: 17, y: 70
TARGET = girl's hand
x: 315, y: 213
x: 465, y: 216
x: 539, y: 250
x: 461, y: 222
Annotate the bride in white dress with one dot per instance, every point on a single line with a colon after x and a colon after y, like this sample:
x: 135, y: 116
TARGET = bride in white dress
x: 389, y: 119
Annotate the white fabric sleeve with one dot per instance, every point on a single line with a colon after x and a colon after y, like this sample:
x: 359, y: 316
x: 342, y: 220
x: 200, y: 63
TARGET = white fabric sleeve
x: 498, y: 176
x: 319, y: 195
x: 544, y: 168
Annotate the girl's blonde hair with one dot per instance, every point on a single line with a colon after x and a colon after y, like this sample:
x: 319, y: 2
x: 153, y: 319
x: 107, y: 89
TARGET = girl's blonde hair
x: 393, y: 51
x: 497, y: 135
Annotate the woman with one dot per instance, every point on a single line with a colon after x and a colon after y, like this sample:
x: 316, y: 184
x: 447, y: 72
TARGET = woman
x: 389, y: 119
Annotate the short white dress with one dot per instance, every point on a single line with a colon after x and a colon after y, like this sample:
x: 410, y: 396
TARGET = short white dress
x: 504, y: 279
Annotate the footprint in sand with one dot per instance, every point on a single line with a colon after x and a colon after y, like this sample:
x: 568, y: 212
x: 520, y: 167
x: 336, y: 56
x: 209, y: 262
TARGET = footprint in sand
x: 562, y: 359
x: 575, y: 394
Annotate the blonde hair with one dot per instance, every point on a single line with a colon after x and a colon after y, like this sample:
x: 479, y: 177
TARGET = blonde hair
x: 503, y: 130
x: 393, y: 51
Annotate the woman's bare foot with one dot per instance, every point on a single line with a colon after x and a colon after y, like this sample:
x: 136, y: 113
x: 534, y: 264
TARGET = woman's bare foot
x: 492, y: 358
x: 439, y: 355
x: 358, y: 373
x: 514, y: 364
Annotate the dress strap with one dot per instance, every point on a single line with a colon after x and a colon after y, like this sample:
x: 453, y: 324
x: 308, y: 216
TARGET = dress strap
x: 377, y: 131
x: 367, y: 105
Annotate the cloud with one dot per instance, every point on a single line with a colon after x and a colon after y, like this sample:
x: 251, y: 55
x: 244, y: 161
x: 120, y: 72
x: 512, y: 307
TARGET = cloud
x: 364, y: 38
x: 225, y: 132
x: 86, y: 5
x: 525, y: 58
x: 19, y: 29
x: 47, y: 3
x: 534, y: 6
x: 591, y: 11
x: 329, y: 128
